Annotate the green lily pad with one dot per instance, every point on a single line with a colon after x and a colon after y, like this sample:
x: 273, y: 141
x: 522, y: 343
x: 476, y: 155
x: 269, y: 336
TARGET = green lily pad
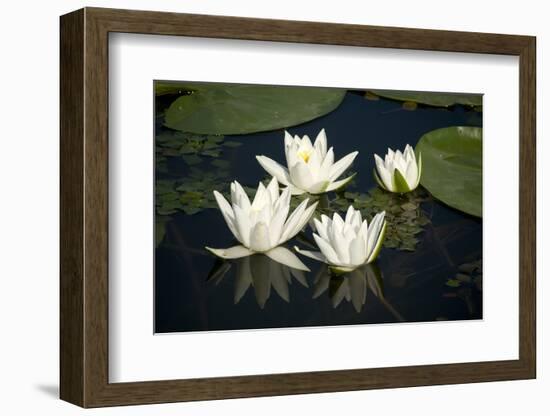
x: 436, y: 99
x: 242, y: 109
x: 452, y: 167
x: 165, y: 88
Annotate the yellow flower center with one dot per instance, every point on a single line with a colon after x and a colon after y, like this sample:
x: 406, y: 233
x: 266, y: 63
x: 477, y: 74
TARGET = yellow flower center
x: 305, y: 155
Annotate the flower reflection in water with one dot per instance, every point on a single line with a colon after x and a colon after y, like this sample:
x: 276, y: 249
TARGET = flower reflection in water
x: 263, y: 274
x: 353, y: 287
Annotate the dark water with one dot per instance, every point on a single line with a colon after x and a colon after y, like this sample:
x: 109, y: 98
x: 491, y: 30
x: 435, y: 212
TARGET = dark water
x: 256, y: 292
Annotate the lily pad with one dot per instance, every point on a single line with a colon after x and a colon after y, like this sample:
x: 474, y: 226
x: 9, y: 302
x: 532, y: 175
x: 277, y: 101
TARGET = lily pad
x: 166, y: 88
x: 452, y: 167
x: 436, y: 99
x: 243, y: 109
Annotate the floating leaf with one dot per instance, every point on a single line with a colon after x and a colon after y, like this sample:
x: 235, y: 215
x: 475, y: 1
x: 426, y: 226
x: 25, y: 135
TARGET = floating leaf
x: 408, y: 206
x: 409, y: 105
x: 165, y: 88
x: 192, y: 159
x: 231, y: 144
x: 242, y: 109
x: 436, y: 99
x: 220, y: 163
x: 371, y: 96
x: 211, y: 153
x: 452, y: 167
x: 191, y: 193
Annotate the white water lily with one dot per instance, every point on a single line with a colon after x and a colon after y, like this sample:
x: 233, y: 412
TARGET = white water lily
x: 347, y: 244
x: 310, y: 167
x: 262, y: 225
x: 398, y: 172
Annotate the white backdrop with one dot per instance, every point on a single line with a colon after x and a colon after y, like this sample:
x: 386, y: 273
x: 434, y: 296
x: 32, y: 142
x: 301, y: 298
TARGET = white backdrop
x: 29, y: 220
x: 136, y: 355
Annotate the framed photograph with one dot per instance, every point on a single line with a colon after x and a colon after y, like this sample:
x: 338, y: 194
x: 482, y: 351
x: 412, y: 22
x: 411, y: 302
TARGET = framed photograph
x: 255, y: 207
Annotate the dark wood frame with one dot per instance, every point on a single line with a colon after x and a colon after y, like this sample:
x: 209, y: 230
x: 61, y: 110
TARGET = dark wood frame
x: 84, y: 208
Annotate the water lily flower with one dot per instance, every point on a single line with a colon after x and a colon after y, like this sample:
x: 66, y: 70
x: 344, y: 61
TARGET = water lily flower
x: 398, y: 172
x: 347, y: 244
x: 310, y: 167
x: 262, y: 225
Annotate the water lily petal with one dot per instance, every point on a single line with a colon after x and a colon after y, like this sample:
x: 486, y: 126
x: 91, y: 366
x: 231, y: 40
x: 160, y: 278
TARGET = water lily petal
x: 383, y: 173
x: 260, y: 198
x: 337, y: 223
x: 411, y: 174
x: 339, y: 167
x: 358, y: 250
x: 321, y: 227
x: 301, y: 176
x: 409, y: 153
x: 349, y: 214
x: 280, y: 212
x: 334, y: 186
x: 289, y: 140
x: 327, y: 250
x: 321, y: 142
x: 315, y: 255
x: 239, y: 196
x: 381, y: 183
x: 295, y: 191
x: 328, y: 161
x: 419, y: 170
x: 227, y: 212
x: 379, y: 242
x: 363, y: 232
x: 230, y: 253
x: 284, y: 256
x: 301, y: 223
x: 374, y: 238
x: 242, y: 224
x: 273, y: 189
x: 318, y: 187
x: 306, y: 143
x: 292, y: 220
x: 399, y: 182
x: 259, y: 238
x: 342, y: 269
x: 274, y: 169
x: 339, y: 244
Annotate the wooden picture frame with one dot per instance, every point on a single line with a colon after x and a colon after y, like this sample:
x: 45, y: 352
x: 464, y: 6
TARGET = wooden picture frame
x: 84, y: 207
